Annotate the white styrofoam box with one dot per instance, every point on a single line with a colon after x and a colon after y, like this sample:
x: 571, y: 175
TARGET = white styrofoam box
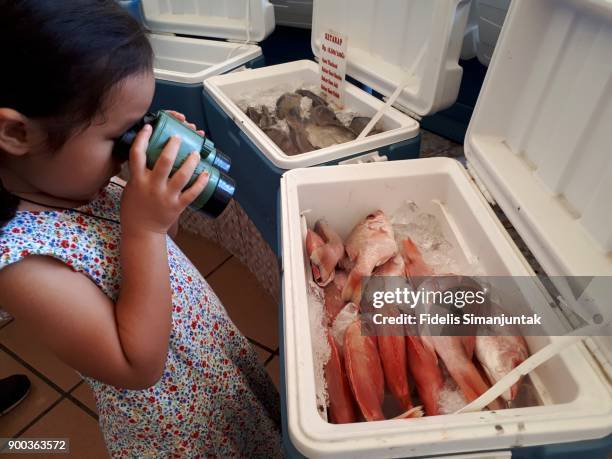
x: 227, y: 19
x: 577, y: 401
x: 414, y: 43
x: 491, y: 14
x: 192, y: 60
x: 293, y: 13
x: 540, y: 135
x: 226, y: 89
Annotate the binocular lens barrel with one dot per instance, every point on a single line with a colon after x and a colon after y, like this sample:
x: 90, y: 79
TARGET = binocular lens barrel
x: 220, y: 188
x: 222, y: 162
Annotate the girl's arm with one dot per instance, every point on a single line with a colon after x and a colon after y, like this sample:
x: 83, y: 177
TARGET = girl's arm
x: 173, y: 231
x: 124, y: 344
x: 70, y: 315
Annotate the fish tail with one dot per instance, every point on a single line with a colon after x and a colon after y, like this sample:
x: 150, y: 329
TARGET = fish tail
x: 416, y: 412
x: 469, y: 380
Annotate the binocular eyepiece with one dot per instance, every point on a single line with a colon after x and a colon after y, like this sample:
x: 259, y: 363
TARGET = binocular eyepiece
x: 220, y: 188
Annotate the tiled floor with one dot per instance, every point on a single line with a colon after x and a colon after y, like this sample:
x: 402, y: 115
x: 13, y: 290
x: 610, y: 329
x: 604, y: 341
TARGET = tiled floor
x: 61, y: 405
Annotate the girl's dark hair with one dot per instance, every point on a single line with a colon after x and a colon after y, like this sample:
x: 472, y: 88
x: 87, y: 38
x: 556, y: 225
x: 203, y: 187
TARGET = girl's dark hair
x: 61, y: 58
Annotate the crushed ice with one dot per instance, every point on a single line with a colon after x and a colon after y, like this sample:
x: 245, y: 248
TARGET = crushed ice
x: 345, y: 317
x: 450, y: 399
x: 321, y: 352
x: 426, y: 232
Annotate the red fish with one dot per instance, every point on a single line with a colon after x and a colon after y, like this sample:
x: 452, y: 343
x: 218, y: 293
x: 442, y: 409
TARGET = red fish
x: 370, y: 244
x: 426, y: 373
x: 393, y: 357
x: 498, y: 355
x: 416, y: 268
x: 365, y: 375
x: 341, y: 405
x: 313, y: 242
x: 456, y: 352
x: 333, y: 296
x: 325, y: 249
x: 364, y: 372
x: 390, y: 340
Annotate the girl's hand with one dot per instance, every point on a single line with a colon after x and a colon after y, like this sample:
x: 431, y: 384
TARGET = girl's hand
x: 152, y: 201
x: 179, y: 116
x: 173, y: 230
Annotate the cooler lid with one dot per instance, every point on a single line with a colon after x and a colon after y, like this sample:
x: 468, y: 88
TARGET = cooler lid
x: 225, y: 19
x: 540, y: 141
x: 416, y: 43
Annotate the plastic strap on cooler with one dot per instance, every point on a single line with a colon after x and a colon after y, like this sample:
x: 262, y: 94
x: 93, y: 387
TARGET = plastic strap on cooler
x: 247, y: 19
x: 392, y: 98
x: 383, y: 109
x: 588, y: 303
x: 530, y: 364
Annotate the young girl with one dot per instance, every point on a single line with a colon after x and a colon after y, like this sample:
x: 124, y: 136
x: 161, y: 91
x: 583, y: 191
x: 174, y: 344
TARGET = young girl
x: 88, y: 265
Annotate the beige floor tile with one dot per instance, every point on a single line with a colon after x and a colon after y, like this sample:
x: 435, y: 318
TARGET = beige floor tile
x: 67, y: 420
x: 19, y: 340
x: 435, y: 145
x: 248, y: 304
x: 204, y: 254
x: 41, y: 397
x: 84, y: 394
x: 273, y: 369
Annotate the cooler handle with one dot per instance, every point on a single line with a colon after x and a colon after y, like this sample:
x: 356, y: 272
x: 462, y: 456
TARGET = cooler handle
x: 372, y: 157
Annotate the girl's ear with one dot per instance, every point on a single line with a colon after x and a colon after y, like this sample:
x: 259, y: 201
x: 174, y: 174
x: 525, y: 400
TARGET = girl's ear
x: 13, y: 132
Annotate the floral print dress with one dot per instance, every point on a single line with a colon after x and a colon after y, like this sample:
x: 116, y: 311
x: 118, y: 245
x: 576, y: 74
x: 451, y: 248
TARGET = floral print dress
x: 214, y: 398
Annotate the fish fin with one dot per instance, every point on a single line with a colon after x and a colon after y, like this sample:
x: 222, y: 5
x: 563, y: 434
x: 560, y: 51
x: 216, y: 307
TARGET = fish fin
x: 327, y: 233
x: 469, y: 342
x: 352, y: 288
x: 340, y: 279
x: 409, y: 251
x: 313, y: 241
x: 341, y: 403
x: 469, y: 380
x: 416, y: 412
x: 513, y: 391
x: 428, y: 348
x: 413, y: 259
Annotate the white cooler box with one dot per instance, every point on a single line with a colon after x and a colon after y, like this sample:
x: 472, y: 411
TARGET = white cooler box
x: 183, y: 63
x: 491, y: 15
x: 415, y: 43
x: 482, y: 31
x: 539, y: 145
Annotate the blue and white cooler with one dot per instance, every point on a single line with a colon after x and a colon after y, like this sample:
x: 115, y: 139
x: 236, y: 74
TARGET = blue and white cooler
x: 194, y: 40
x: 538, y: 145
x: 413, y: 44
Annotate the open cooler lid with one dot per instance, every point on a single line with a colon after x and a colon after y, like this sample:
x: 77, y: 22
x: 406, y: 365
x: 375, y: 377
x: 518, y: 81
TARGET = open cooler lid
x: 416, y: 43
x: 225, y: 19
x: 540, y: 140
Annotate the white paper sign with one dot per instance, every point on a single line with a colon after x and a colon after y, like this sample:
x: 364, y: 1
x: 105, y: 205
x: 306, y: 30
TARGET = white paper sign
x: 333, y: 66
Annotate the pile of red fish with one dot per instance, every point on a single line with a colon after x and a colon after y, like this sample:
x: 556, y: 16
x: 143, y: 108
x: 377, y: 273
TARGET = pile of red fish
x: 360, y: 366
